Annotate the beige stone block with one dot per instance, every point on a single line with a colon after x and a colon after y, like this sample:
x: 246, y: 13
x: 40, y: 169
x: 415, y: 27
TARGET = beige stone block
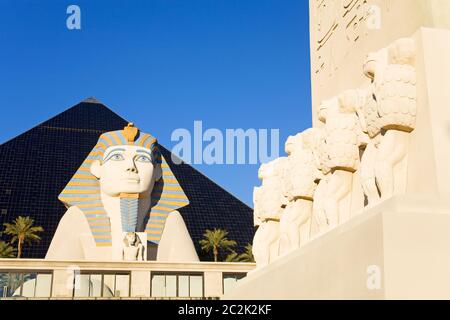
x: 429, y: 154
x: 213, y: 284
x: 402, y: 244
x: 140, y: 284
x: 62, y: 285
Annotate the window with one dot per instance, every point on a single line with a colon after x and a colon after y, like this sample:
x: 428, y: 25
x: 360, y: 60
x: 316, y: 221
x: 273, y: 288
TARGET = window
x: 177, y: 285
x: 122, y: 288
x: 230, y: 280
x: 101, y: 285
x: 43, y: 285
x: 22, y: 284
x: 4, y: 211
x: 8, y: 191
x: 196, y: 286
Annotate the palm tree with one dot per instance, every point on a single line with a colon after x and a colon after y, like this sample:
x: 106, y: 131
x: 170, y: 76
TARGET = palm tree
x: 232, y: 257
x: 216, y: 240
x: 247, y: 256
x: 6, y: 251
x: 22, y: 231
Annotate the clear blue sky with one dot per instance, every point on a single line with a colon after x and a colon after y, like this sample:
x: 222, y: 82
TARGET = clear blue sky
x: 162, y: 64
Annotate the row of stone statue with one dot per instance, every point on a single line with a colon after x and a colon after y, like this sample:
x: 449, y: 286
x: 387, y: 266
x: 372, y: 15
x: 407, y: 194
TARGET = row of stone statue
x: 363, y: 138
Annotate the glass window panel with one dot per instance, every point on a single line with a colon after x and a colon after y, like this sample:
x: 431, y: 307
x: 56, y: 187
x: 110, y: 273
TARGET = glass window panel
x: 43, y: 285
x: 4, y: 282
x: 108, y: 285
x: 183, y: 286
x: 15, y: 283
x: 122, y: 285
x: 229, y: 282
x: 171, y: 285
x: 196, y: 286
x: 96, y: 285
x: 28, y: 285
x: 158, y: 286
x: 29, y: 276
x: 82, y: 284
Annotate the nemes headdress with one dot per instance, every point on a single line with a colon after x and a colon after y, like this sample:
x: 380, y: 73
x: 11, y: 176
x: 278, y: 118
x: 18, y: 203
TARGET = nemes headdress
x: 83, y: 190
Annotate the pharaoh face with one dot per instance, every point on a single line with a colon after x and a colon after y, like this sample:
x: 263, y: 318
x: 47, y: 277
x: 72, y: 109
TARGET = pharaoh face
x: 126, y: 169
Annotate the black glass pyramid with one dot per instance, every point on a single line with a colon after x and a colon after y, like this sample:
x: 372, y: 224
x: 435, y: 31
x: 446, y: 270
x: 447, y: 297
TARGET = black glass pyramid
x: 36, y: 166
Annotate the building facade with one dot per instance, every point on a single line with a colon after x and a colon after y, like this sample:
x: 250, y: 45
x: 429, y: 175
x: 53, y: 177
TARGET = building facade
x: 43, y: 279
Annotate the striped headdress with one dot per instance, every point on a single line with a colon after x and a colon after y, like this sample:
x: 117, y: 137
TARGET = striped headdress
x: 83, y: 190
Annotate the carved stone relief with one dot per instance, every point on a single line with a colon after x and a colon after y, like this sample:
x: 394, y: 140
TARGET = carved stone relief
x: 364, y: 135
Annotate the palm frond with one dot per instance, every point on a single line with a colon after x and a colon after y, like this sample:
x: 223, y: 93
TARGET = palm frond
x: 6, y: 251
x: 232, y: 257
x: 247, y: 255
x: 215, y: 240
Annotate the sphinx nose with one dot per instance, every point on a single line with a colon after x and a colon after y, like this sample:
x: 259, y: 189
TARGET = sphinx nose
x: 131, y: 167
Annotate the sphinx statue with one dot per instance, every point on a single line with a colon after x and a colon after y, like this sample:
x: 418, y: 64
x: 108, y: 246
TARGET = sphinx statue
x: 133, y: 249
x: 393, y: 75
x: 269, y: 203
x: 124, y: 186
x: 299, y: 184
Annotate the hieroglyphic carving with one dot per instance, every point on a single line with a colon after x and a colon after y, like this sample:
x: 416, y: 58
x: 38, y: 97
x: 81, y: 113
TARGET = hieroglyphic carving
x: 348, y: 6
x: 354, y: 17
x: 333, y: 16
x: 326, y: 22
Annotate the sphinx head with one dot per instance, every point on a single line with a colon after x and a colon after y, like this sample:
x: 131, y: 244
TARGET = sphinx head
x: 131, y: 239
x: 128, y: 168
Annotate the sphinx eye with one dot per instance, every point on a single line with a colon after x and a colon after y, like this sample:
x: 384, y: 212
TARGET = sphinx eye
x: 116, y: 157
x: 143, y: 159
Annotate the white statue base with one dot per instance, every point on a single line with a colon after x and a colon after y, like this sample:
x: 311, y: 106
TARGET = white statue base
x: 399, y: 249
